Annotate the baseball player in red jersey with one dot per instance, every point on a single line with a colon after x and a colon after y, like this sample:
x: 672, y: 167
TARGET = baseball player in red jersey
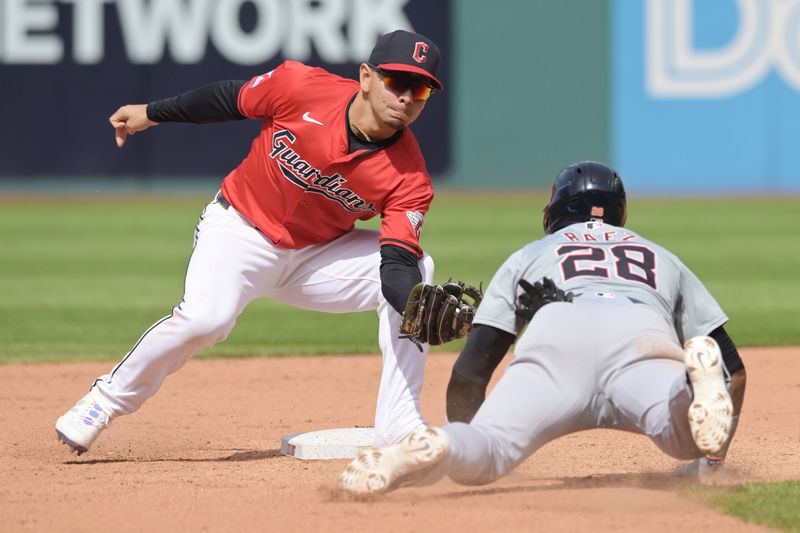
x: 331, y: 151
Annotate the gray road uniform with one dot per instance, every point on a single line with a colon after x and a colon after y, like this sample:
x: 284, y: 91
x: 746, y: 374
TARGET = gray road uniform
x: 611, y: 359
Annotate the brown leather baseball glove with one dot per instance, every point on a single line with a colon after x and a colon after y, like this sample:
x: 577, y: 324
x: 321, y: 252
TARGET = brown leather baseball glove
x: 436, y: 314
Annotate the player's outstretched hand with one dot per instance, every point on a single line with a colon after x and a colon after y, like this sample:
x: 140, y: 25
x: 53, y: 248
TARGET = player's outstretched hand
x: 128, y: 120
x: 535, y: 296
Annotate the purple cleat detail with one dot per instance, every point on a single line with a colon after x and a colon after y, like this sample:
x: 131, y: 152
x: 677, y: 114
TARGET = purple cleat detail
x: 80, y: 426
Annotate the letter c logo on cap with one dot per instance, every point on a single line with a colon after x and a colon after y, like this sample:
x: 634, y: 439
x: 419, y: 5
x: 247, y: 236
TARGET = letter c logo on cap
x: 419, y: 48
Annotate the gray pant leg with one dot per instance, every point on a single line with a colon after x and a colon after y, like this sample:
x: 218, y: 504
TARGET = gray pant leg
x: 528, y: 408
x: 652, y: 397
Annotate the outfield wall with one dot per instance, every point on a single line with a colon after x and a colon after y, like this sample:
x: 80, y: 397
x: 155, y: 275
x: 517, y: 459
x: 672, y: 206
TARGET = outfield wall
x: 679, y: 95
x: 530, y: 85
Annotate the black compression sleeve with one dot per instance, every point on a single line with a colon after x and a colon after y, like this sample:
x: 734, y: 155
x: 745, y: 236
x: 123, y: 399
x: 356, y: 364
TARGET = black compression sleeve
x: 730, y: 355
x: 399, y: 273
x: 486, y: 346
x: 217, y: 102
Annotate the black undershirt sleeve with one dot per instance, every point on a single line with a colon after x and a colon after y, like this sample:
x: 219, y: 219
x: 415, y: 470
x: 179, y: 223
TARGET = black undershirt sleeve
x: 399, y: 274
x: 730, y: 355
x: 216, y: 102
x: 486, y: 346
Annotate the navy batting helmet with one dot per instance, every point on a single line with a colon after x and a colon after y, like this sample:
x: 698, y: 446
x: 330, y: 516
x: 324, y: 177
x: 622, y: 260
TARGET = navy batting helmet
x: 585, y: 191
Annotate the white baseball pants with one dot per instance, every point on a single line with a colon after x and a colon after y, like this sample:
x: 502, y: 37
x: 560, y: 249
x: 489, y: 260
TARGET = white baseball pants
x: 231, y: 265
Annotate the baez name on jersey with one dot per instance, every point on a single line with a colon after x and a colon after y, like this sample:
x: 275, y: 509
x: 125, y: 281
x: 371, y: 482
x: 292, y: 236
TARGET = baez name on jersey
x: 300, y: 172
x: 588, y: 237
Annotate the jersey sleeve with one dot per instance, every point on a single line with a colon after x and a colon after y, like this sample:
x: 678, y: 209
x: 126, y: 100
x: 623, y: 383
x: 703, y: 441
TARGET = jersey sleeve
x: 404, y: 214
x: 699, y: 313
x: 500, y: 301
x: 264, y: 94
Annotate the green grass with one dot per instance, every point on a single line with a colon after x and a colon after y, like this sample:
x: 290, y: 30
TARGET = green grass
x: 775, y: 505
x: 81, y: 279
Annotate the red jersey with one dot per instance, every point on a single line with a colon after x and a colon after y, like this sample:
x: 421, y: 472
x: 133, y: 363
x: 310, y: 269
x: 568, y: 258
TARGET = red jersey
x: 300, y: 186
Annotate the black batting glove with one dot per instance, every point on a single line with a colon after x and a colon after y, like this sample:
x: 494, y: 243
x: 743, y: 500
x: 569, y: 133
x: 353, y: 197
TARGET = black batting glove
x: 538, y: 295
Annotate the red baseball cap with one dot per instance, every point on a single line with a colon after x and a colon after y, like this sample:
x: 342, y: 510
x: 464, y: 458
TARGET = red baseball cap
x: 406, y: 51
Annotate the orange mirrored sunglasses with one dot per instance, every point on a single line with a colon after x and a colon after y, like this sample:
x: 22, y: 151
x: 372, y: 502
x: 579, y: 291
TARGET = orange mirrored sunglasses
x: 400, y: 82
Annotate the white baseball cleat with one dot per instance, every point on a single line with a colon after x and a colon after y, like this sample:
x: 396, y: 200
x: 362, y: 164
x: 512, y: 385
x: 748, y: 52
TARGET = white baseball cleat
x: 79, y: 427
x: 379, y: 470
x: 711, y: 412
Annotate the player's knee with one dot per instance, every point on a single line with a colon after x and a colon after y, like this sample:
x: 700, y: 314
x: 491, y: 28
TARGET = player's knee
x: 426, y: 268
x: 678, y: 448
x: 673, y: 437
x: 204, y: 325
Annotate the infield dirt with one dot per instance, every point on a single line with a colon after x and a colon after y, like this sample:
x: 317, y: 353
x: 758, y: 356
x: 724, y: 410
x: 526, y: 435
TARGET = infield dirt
x: 203, y: 455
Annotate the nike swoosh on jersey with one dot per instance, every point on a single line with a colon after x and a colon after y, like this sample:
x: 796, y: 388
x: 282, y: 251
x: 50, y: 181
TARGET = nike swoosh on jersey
x: 309, y: 119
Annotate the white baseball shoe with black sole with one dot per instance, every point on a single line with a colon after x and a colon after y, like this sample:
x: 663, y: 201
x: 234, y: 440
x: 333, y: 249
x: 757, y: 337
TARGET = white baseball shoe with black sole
x: 379, y: 470
x: 711, y: 412
x: 79, y: 427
